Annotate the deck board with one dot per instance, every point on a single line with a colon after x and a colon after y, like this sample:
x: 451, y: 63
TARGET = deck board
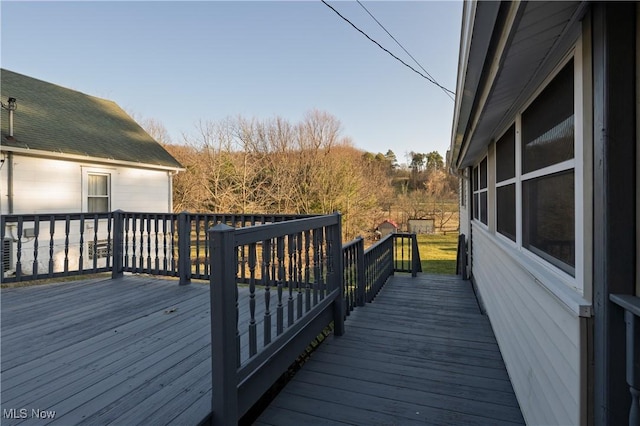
x: 421, y: 353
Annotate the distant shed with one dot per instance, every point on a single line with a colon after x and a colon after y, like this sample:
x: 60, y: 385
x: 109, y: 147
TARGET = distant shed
x: 388, y: 227
x: 422, y: 226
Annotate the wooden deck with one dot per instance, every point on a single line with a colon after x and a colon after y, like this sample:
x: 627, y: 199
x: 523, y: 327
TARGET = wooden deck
x: 129, y: 351
x: 421, y: 353
x: 136, y: 350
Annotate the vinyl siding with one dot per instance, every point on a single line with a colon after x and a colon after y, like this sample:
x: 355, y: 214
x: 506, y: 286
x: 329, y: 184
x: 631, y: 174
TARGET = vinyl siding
x: 143, y: 191
x: 538, y: 336
x: 54, y: 186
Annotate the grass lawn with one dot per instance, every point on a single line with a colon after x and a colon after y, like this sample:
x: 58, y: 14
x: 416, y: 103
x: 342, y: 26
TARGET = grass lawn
x: 438, y: 253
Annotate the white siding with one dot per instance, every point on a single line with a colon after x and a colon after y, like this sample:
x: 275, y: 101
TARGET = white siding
x: 142, y: 191
x: 55, y: 186
x: 45, y: 186
x: 539, y: 337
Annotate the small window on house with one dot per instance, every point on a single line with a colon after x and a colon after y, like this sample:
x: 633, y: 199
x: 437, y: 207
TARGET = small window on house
x: 98, y: 193
x: 505, y: 184
x: 480, y: 192
x: 548, y: 207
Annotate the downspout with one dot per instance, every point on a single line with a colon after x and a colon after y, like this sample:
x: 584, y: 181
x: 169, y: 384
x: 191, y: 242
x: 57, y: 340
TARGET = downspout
x: 10, y: 122
x: 170, y: 175
x: 10, y: 182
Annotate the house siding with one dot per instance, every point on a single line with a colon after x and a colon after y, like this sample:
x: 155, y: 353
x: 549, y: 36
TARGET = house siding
x: 43, y: 185
x: 538, y: 336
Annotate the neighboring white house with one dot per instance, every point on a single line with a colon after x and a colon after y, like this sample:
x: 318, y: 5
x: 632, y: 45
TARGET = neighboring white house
x: 63, y: 151
x: 545, y: 143
x: 69, y: 152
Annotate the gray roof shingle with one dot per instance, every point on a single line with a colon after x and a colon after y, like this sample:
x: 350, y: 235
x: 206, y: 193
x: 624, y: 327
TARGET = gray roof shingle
x: 55, y: 119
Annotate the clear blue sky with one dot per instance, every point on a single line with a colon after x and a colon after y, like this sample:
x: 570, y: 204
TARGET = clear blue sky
x: 181, y: 62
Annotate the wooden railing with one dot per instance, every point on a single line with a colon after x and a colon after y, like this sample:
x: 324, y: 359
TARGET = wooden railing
x: 279, y: 280
x: 53, y: 245
x: 631, y: 306
x: 301, y: 279
x: 299, y: 293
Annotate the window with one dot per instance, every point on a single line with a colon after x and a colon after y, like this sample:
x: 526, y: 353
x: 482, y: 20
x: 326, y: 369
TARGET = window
x: 98, y: 189
x: 548, y: 218
x: 506, y: 184
x: 548, y: 206
x: 480, y: 192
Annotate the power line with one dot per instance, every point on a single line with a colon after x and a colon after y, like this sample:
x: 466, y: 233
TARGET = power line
x: 444, y: 89
x: 430, y: 79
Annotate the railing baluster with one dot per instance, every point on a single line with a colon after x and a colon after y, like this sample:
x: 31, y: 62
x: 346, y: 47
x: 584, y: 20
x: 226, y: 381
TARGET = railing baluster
x: 147, y: 218
x: 52, y: 231
x: 36, y: 233
x: 198, y: 242
x: 291, y: 252
x: 133, y: 242
x: 67, y: 224
x: 156, y: 248
x: 95, y: 242
x: 165, y: 254
x: 281, y: 278
x: 110, y: 220
x: 266, y: 265
x: 299, y: 266
x: 81, y: 248
x: 253, y: 338
x: 316, y: 265
x: 307, y: 271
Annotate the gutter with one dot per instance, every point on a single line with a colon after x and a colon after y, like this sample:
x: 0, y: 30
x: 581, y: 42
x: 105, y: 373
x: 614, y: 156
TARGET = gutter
x: 85, y: 158
x: 10, y: 182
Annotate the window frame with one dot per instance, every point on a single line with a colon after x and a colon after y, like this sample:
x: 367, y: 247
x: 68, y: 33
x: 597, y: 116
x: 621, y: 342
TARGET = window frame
x: 92, y: 171
x: 581, y: 164
x: 509, y: 181
x: 479, y: 190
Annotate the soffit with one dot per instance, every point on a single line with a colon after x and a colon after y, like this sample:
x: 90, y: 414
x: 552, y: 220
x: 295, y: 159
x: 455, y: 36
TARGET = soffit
x: 542, y: 36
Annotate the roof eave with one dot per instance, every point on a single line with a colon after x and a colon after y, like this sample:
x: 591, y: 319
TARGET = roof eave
x: 478, y: 23
x: 87, y: 158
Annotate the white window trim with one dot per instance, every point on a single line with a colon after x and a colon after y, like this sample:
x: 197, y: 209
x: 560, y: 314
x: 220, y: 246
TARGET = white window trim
x: 86, y: 171
x: 559, y: 275
x: 479, y: 191
x: 546, y: 272
x: 511, y: 181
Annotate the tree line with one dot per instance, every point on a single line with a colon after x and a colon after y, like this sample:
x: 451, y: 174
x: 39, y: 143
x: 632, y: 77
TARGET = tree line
x: 275, y: 166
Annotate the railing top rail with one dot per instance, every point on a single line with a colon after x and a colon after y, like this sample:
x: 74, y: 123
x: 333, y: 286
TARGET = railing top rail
x: 254, y: 234
x: 628, y: 302
x: 56, y: 216
x: 351, y: 243
x: 403, y: 234
x: 382, y: 240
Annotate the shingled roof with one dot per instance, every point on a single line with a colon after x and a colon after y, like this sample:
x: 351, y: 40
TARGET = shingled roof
x: 56, y: 120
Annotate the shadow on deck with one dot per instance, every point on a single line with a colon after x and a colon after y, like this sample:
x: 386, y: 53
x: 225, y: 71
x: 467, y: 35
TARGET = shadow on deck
x: 421, y: 353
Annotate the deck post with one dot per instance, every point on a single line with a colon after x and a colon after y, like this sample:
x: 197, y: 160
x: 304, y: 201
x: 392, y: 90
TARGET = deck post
x: 224, y: 326
x: 362, y: 282
x: 184, y: 248
x: 338, y: 276
x: 118, y: 243
x: 415, y: 257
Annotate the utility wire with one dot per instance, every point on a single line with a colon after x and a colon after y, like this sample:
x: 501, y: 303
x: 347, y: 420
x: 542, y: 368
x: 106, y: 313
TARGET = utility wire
x: 430, y: 79
x: 444, y: 89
